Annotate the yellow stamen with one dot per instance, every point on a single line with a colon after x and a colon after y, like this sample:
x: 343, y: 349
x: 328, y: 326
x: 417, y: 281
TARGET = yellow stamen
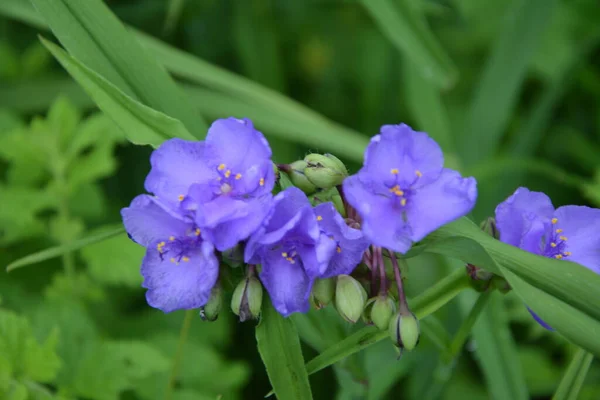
x: 227, y: 173
x: 394, y: 171
x: 173, y: 260
x: 291, y: 260
x: 563, y: 238
x: 238, y: 176
x: 558, y: 256
x: 197, y: 232
x: 339, y: 249
x: 552, y: 244
x: 403, y: 202
x: 559, y: 231
x: 221, y: 167
x: 160, y: 246
x: 284, y: 254
x: 171, y: 238
x: 262, y: 182
x: 567, y: 253
x: 319, y: 218
x: 397, y: 191
x: 554, y: 220
x: 185, y: 259
x: 181, y: 197
x: 418, y: 173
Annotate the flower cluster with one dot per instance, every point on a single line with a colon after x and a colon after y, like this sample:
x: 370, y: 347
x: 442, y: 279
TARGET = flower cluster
x: 320, y: 234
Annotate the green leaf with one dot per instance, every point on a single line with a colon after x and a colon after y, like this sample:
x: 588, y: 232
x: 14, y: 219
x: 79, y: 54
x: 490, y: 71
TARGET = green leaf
x: 406, y: 29
x: 22, y: 354
x: 60, y: 250
x: 18, y: 215
x: 574, y: 376
x: 92, y: 34
x: 497, y: 92
x: 280, y: 351
x: 115, y: 261
x: 141, y: 124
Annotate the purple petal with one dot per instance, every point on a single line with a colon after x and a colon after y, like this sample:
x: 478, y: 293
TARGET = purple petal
x: 398, y: 148
x: 539, y: 320
x: 352, y: 243
x: 147, y: 221
x: 580, y: 225
x: 176, y: 165
x: 228, y: 233
x: 443, y: 201
x: 524, y: 219
x: 316, y: 257
x: 185, y: 285
x: 237, y: 144
x: 288, y: 285
x: 382, y: 223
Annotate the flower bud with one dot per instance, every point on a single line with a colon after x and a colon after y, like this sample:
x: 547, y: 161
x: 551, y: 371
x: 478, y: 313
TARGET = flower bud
x: 322, y: 292
x: 404, y: 331
x: 489, y: 226
x: 295, y: 171
x: 338, y: 203
x: 247, y: 299
x: 210, y: 311
x: 350, y: 298
x: 382, y: 310
x: 325, y: 171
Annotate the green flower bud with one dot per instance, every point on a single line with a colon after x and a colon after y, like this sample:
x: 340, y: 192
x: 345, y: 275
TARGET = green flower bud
x: 337, y: 201
x: 295, y: 172
x: 381, y: 312
x: 350, y: 298
x: 325, y: 171
x: 404, y: 331
x: 322, y: 292
x: 210, y: 311
x: 489, y: 227
x: 247, y: 299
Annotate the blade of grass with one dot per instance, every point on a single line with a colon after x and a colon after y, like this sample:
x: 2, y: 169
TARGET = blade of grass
x: 572, y: 381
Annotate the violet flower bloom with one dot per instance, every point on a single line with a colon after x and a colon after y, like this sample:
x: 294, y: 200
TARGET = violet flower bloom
x: 180, y: 267
x: 529, y: 221
x: 225, y: 181
x: 350, y: 243
x: 403, y: 193
x: 292, y: 251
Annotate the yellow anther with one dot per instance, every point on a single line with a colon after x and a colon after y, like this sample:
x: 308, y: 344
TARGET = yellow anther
x: 563, y: 238
x: 160, y: 246
x: 339, y: 249
x: 291, y: 260
x: 403, y: 202
x: 394, y: 171
x: 558, y: 256
x: 552, y: 244
x: 185, y: 259
x: 397, y: 191
x: 221, y: 167
x: 319, y: 218
x: 284, y: 254
x: 173, y: 260
x: 554, y: 220
x: 197, y: 232
x: 238, y: 176
x: 181, y: 197
x: 171, y: 238
x: 227, y: 173
x: 559, y: 231
x: 262, y: 182
x: 418, y: 173
x: 567, y: 253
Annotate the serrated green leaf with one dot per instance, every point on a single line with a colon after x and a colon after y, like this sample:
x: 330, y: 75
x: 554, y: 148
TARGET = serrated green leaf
x: 280, y: 351
x: 95, y: 36
x: 141, y: 124
x: 18, y: 215
x: 60, y: 250
x: 115, y: 261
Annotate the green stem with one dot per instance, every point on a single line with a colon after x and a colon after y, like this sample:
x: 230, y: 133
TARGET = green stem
x: 441, y: 293
x: 183, y: 335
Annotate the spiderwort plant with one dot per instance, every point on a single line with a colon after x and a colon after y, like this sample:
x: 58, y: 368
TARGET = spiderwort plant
x: 529, y: 221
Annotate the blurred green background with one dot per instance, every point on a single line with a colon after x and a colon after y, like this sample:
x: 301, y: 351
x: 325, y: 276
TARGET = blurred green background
x: 510, y: 89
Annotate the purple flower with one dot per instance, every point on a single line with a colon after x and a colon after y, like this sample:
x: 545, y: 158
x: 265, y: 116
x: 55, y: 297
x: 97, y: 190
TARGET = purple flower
x: 180, y: 267
x: 350, y: 243
x: 529, y: 221
x: 403, y: 193
x: 292, y: 251
x: 225, y: 182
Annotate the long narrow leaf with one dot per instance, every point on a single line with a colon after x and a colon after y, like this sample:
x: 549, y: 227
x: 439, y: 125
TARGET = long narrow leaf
x: 573, y: 379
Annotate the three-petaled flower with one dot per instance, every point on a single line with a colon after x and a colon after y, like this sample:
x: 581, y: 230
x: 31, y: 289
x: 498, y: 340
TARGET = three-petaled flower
x: 403, y: 193
x: 529, y: 221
